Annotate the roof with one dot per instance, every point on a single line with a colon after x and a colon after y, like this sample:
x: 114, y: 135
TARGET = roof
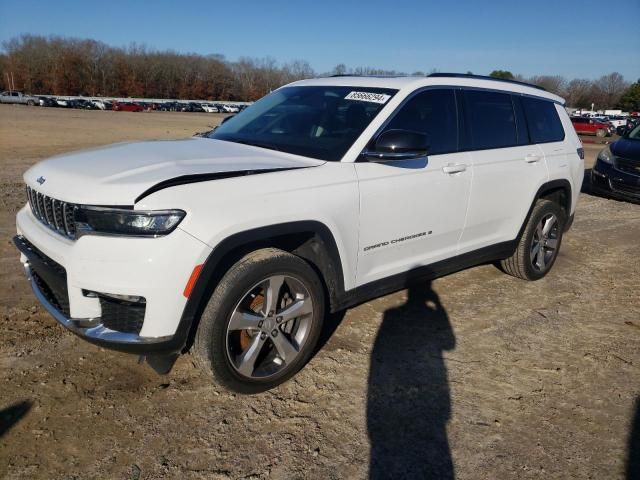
x: 410, y: 83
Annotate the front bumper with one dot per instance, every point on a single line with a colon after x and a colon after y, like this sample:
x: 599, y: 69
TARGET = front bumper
x: 94, y: 331
x: 608, y: 179
x: 69, y: 279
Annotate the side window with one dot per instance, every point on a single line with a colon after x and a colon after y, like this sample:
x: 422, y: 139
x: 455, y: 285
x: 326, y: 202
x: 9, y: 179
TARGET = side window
x: 543, y: 120
x: 491, y: 119
x: 432, y: 112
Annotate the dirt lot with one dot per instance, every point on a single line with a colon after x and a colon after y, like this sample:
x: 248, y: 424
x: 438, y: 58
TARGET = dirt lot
x: 476, y: 374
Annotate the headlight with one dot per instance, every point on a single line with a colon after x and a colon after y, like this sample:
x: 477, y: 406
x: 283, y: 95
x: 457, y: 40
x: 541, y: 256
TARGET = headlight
x: 116, y: 221
x: 606, y: 156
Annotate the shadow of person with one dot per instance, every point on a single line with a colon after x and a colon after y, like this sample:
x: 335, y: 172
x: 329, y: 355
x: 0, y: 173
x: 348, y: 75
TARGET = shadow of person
x: 633, y: 455
x: 11, y: 415
x: 408, y: 402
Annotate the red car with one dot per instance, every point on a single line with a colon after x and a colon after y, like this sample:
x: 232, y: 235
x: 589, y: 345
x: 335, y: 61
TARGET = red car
x: 127, y: 107
x: 591, y: 126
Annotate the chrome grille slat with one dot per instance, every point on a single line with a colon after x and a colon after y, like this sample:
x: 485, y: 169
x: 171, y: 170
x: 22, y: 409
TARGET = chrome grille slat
x: 64, y: 218
x: 48, y: 210
x: 55, y: 214
x: 40, y: 203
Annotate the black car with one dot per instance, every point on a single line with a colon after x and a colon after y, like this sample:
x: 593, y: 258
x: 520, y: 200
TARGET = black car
x: 196, y: 107
x: 48, y: 102
x: 617, y: 169
x: 81, y: 103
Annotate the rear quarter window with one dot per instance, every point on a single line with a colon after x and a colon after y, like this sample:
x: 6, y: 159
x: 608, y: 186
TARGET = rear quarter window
x: 543, y: 120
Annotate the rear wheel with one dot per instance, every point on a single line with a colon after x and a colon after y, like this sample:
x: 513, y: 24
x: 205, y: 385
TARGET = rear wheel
x: 262, y: 322
x: 538, y: 247
x: 31, y: 103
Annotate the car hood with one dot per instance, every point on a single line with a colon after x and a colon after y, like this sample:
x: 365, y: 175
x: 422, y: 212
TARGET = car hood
x: 118, y: 174
x: 626, y: 148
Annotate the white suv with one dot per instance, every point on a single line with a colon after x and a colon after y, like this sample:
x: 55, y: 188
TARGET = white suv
x: 323, y: 194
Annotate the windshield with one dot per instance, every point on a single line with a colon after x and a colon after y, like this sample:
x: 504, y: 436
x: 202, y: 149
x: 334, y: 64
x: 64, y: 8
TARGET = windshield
x: 314, y: 121
x: 634, y: 134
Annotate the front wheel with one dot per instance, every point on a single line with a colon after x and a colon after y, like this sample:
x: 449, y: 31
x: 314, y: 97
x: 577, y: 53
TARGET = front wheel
x: 538, y: 247
x: 262, y: 322
x: 601, y: 133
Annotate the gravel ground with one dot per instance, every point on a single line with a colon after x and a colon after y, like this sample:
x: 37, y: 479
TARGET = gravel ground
x: 476, y: 375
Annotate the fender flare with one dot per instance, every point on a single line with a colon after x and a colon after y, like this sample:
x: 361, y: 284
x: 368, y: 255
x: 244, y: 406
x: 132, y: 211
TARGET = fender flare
x: 217, y: 265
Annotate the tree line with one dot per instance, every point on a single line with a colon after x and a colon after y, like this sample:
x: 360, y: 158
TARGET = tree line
x: 608, y: 91
x: 69, y: 66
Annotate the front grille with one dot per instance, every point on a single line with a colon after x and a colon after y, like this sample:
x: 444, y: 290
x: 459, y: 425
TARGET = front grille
x: 625, y: 188
x: 55, y: 214
x: 126, y: 317
x: 628, y: 166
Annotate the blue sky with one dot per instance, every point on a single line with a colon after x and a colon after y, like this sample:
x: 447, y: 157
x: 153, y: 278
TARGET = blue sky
x: 576, y: 39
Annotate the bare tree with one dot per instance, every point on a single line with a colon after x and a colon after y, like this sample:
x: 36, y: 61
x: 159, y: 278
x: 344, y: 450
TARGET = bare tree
x: 609, y: 89
x: 578, y: 93
x: 551, y: 83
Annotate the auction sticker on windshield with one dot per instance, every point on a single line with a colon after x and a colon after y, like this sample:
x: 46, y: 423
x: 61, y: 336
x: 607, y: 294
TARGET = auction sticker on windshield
x: 368, y: 97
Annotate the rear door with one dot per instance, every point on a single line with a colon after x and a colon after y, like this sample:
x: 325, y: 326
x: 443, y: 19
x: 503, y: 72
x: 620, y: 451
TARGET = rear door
x: 546, y: 131
x: 508, y: 169
x: 412, y: 212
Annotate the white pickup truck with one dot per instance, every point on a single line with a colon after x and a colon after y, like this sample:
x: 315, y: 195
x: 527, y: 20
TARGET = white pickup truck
x: 18, y: 97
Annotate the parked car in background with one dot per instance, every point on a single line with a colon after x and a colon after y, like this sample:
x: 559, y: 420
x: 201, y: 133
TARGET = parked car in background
x: 590, y: 126
x: 632, y: 122
x: 617, y: 121
x: 47, y: 102
x: 18, y: 97
x: 101, y: 104
x: 209, y: 108
x: 82, y: 104
x: 127, y: 107
x: 229, y: 109
x: 62, y: 102
x: 617, y: 169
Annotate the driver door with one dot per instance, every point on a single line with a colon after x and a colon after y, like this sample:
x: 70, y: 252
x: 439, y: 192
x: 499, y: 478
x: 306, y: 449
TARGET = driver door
x: 412, y: 212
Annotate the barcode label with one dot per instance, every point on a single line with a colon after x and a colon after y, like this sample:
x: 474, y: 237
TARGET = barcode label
x: 368, y: 97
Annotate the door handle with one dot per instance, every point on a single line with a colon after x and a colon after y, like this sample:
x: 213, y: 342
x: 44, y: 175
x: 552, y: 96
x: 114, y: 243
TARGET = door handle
x: 532, y: 158
x: 454, y: 168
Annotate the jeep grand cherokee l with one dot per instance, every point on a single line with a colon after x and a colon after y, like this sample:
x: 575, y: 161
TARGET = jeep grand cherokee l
x: 323, y: 194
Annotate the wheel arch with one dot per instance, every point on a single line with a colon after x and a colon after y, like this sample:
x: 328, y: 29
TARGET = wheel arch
x: 558, y: 191
x: 311, y: 240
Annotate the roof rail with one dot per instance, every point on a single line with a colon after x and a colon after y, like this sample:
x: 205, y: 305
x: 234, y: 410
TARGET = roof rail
x: 396, y: 75
x: 483, y: 77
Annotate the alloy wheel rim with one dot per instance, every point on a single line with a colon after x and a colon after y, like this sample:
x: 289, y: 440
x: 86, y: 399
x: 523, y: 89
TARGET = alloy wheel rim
x: 544, y: 244
x: 269, y: 326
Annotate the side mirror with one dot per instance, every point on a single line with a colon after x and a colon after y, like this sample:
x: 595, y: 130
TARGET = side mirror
x: 398, y: 145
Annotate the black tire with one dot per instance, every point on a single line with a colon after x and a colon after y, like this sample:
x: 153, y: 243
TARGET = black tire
x: 212, y: 342
x: 522, y: 264
x: 31, y: 103
x: 601, y: 133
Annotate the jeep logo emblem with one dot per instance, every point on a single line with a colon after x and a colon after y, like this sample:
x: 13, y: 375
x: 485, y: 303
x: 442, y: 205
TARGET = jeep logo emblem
x: 41, y: 180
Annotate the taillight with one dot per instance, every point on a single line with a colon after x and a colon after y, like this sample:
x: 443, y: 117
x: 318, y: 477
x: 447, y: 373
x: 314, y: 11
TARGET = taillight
x: 580, y: 151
